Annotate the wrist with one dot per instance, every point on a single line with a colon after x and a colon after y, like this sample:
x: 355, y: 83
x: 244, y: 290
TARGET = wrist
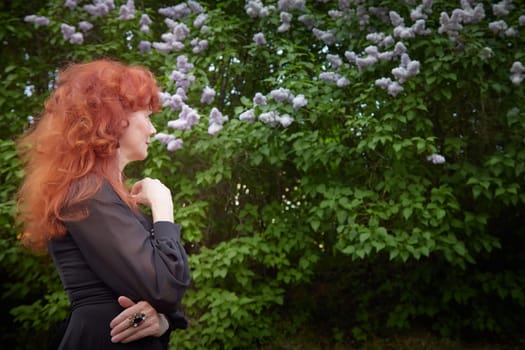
x: 163, y: 325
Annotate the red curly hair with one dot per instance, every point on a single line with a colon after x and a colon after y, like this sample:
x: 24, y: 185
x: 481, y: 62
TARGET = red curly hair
x: 73, y: 147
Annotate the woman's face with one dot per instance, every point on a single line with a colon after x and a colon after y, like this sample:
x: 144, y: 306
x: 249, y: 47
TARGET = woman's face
x: 134, y: 142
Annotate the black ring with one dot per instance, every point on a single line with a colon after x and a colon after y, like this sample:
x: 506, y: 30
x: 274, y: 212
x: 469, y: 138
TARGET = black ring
x: 137, y: 319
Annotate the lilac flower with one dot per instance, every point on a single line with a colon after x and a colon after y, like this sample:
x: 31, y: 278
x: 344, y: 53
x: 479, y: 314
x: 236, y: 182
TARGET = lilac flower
x: 350, y: 56
x: 144, y: 23
x: 299, y: 101
x: 259, y: 99
x: 375, y: 38
x: 175, y: 102
x: 290, y: 5
x: 498, y: 26
x: 216, y: 121
x: 199, y: 45
x: 329, y: 76
x: 144, y: 46
x: 200, y: 20
x: 383, y: 82
x: 127, y: 11
x: 268, y: 117
x: 385, y: 56
x: 188, y: 117
x: 255, y: 8
x: 388, y: 41
x: 163, y: 138
x: 285, y: 120
x: 182, y: 93
x: 342, y: 82
x: 85, y: 26
x: 372, y: 51
x: 99, y: 8
x: 171, y: 143
x: 327, y: 37
x: 403, y: 32
x: 307, y: 20
x: 179, y: 11
x: 487, y: 52
x: 517, y: 72
x: 38, y: 20
x: 335, y: 60
x: 365, y: 62
x: 281, y: 95
x: 67, y: 31
x: 208, y: 95
x: 174, y: 145
x: 512, y: 32
x: 419, y: 27
x: 436, y: 158
x: 195, y: 7
x: 417, y: 13
x: 247, y: 116
x: 394, y: 88
x: 521, y: 20
x: 183, y: 65
x: 396, y: 19
x: 162, y: 47
x: 399, y: 49
x: 502, y: 8
x: 335, y: 14
x: 286, y: 19
x: 71, y: 4
x: 76, y: 38
x: 259, y: 39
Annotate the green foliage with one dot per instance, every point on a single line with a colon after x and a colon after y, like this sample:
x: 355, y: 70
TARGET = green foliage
x: 338, y: 222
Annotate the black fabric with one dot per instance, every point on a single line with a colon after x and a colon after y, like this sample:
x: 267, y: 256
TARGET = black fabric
x: 110, y: 253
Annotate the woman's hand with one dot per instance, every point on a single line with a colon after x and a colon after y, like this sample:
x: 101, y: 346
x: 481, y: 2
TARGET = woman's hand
x: 122, y: 330
x: 155, y: 195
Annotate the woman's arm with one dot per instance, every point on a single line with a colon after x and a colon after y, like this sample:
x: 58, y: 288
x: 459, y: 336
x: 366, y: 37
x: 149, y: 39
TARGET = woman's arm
x: 132, y: 261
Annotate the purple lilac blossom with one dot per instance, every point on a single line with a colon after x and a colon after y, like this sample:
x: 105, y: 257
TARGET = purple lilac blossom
x: 38, y: 20
x: 334, y: 60
x: 521, y: 20
x: 259, y: 99
x: 365, y: 62
x: 517, y: 72
x: 127, y: 11
x: 307, y: 20
x: 290, y: 5
x: 330, y: 76
x: 164, y: 138
x: 396, y: 19
x: 403, y: 32
x: 436, y: 158
x: 162, y: 47
x: 512, y: 32
x: 299, y: 101
x: 394, y: 88
x: 199, y: 45
x: 179, y: 11
x: 216, y: 121
x: 85, y: 26
x: 327, y: 37
x: 286, y: 19
x: 255, y: 8
x: 372, y: 50
x: 502, y: 8
x: 99, y: 7
x: 342, y: 82
x: 182, y: 93
x: 174, y: 145
x: 67, y: 31
x: 208, y: 95
x: 259, y: 39
x: 388, y: 41
x: 76, y: 38
x: 144, y: 46
x: 281, y: 95
x: 183, y: 65
x: 247, y: 116
x: 195, y: 7
x: 200, y: 20
x: 71, y: 4
x: 399, y: 49
x: 375, y: 38
x: 285, y: 120
x: 497, y: 27
x: 335, y: 14
x: 268, y: 117
x: 145, y: 20
x: 350, y: 56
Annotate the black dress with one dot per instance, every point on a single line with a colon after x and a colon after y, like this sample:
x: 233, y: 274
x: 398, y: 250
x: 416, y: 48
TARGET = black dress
x: 110, y: 253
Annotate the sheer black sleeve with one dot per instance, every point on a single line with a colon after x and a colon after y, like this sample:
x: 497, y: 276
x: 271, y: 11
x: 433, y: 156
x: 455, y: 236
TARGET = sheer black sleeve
x: 131, y: 260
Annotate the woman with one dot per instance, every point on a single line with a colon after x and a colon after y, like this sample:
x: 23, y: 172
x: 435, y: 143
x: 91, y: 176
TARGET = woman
x: 124, y: 274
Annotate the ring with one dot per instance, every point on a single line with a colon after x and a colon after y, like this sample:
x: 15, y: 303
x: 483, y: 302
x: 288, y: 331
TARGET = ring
x: 137, y: 319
